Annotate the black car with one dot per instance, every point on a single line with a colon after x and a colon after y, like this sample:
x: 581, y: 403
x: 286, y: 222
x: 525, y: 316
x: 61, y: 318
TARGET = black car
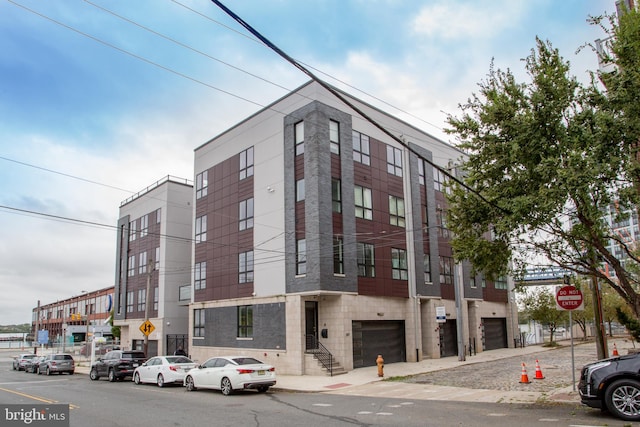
x: 614, y: 385
x: 117, y: 364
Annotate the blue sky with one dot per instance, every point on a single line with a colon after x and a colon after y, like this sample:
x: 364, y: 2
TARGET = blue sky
x: 120, y: 93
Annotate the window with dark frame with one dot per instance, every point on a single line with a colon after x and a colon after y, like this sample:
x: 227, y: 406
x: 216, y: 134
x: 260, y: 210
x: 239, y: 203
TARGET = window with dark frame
x: 394, y: 160
x: 202, y: 184
x: 246, y: 214
x: 298, y: 130
x: 301, y: 257
x: 200, y: 275
x: 336, y: 195
x: 427, y: 268
x: 366, y: 260
x: 245, y: 267
x: 363, y: 202
x: 361, y: 150
x: 198, y: 322
x: 245, y: 321
x: 396, y: 211
x: 201, y: 229
x: 334, y: 137
x: 338, y: 255
x: 446, y: 270
x: 246, y: 163
x: 300, y: 195
x: 399, y: 267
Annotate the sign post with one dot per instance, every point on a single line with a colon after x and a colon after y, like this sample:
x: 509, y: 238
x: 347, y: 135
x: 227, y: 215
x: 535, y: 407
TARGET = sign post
x: 569, y: 298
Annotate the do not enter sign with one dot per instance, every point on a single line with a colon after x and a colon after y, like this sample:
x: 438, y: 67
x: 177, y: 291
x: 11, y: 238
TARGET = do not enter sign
x: 569, y: 298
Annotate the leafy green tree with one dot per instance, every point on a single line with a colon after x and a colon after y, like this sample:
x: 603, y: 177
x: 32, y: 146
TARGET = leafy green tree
x: 550, y: 156
x: 539, y: 304
x: 584, y: 317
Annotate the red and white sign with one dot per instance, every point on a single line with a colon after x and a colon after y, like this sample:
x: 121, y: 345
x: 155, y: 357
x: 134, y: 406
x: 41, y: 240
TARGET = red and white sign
x: 569, y: 298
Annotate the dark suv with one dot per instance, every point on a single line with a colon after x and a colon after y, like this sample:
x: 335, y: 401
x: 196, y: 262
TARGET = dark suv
x: 614, y: 385
x: 117, y: 364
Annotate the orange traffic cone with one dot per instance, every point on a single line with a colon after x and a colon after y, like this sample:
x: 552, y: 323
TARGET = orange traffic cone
x: 524, y: 378
x: 539, y: 375
x: 615, y: 350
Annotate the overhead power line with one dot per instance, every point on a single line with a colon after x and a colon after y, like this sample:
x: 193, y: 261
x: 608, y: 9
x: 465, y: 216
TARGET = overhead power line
x: 348, y: 103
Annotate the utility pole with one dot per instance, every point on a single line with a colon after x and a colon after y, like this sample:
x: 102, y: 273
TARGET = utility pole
x: 147, y: 304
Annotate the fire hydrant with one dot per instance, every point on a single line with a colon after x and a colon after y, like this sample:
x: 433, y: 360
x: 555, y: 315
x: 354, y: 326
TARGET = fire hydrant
x: 380, y: 363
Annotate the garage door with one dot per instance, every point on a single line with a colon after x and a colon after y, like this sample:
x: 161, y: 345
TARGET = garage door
x: 371, y: 338
x: 494, y: 333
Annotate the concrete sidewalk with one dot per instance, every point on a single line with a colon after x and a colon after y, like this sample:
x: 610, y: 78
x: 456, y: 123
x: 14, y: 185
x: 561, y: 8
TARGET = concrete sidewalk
x: 365, y: 381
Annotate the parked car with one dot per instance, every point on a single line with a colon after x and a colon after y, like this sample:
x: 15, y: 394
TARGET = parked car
x: 117, y: 364
x: 21, y: 360
x: 32, y: 364
x: 57, y: 363
x: 613, y: 385
x: 163, y: 370
x: 231, y: 373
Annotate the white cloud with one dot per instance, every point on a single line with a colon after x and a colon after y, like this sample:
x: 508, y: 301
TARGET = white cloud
x: 470, y: 20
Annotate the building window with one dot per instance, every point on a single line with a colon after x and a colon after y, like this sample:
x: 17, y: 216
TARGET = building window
x: 441, y: 221
x: 246, y: 163
x: 396, y: 211
x: 201, y: 229
x: 158, y: 215
x: 202, y: 184
x: 338, y: 255
x: 439, y: 180
x: 198, y: 322
x: 132, y: 231
x: 246, y: 214
x: 399, y: 269
x: 200, y: 276
x: 142, y: 299
x: 245, y: 270
x: 156, y: 295
x: 421, y: 176
x: 142, y: 265
x: 446, y: 270
x: 245, y: 321
x: 300, y: 190
x: 336, y: 195
x: 394, y: 160
x: 144, y: 225
x: 366, y: 260
x: 298, y: 130
x: 501, y: 282
x: 130, y: 302
x: 157, y: 259
x: 361, y: 152
x: 334, y: 136
x: 301, y: 257
x: 427, y: 268
x: 364, y: 206
x: 131, y: 271
x: 472, y: 282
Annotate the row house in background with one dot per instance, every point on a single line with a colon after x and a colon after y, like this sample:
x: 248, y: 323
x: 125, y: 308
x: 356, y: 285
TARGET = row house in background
x: 316, y: 233
x: 74, y: 318
x: 153, y: 266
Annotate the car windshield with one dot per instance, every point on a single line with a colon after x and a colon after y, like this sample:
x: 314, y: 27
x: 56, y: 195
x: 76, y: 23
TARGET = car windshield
x: 28, y: 356
x: 62, y: 357
x: 246, y: 361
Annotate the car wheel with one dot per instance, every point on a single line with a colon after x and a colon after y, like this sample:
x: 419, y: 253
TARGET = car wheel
x: 14, y: 367
x: 189, y: 384
x: 225, y: 386
x: 136, y: 378
x: 93, y: 374
x: 623, y: 399
x: 160, y: 381
x: 48, y: 371
x: 71, y: 372
x: 263, y: 389
x: 112, y: 375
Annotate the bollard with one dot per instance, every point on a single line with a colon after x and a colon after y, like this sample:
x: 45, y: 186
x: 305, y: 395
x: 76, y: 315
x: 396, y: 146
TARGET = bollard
x: 380, y: 363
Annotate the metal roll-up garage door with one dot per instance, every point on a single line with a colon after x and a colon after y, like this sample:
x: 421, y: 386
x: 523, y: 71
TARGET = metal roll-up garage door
x: 371, y: 338
x: 494, y: 333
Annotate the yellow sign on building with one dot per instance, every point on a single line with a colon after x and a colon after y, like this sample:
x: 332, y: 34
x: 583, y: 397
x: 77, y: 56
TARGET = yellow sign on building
x: 147, y: 327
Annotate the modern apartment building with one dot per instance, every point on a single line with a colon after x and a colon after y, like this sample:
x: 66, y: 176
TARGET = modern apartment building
x: 316, y: 232
x: 153, y: 267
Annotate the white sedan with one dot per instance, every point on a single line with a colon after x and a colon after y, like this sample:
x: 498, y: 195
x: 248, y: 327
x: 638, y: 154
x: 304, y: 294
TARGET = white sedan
x: 231, y: 373
x: 163, y: 370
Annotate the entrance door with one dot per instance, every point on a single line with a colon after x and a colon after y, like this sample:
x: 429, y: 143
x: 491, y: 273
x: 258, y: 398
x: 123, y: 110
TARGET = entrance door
x: 311, y: 324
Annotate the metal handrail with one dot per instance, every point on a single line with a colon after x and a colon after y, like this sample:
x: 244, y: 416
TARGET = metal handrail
x: 320, y: 352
